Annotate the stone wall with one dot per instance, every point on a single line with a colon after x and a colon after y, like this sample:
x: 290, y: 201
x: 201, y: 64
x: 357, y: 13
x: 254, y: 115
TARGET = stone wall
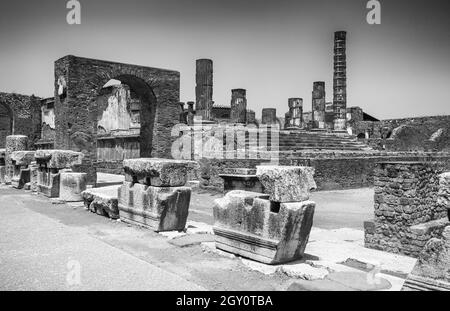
x: 407, y: 212
x: 333, y: 171
x: 24, y: 112
x: 407, y: 134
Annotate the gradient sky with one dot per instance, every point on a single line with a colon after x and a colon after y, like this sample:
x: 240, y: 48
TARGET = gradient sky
x: 274, y: 49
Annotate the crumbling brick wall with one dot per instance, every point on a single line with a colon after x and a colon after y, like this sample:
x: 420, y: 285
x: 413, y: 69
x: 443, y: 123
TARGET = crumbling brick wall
x: 25, y: 114
x: 407, y: 212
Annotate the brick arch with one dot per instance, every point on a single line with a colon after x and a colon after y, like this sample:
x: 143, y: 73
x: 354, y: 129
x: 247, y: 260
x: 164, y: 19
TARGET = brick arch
x: 75, y: 113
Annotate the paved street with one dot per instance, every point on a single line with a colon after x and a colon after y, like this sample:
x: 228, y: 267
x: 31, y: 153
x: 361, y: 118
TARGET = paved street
x: 46, y: 245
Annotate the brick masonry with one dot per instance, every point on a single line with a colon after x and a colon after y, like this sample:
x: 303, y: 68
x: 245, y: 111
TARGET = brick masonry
x: 407, y: 212
x: 78, y: 82
x: 21, y: 116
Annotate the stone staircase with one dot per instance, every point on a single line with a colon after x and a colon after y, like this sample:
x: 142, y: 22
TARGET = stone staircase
x: 317, y: 141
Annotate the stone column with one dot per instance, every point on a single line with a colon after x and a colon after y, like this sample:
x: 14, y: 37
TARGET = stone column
x: 238, y: 106
x: 340, y: 81
x: 269, y: 116
x: 318, y: 105
x: 251, y: 116
x: 204, y: 88
x: 191, y: 113
x: 295, y: 112
x: 13, y: 143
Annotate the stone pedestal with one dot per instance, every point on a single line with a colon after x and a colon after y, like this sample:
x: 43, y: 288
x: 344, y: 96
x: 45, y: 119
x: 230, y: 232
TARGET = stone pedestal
x: 271, y: 227
x: 20, y: 161
x: 51, y: 164
x: 13, y: 143
x: 71, y: 186
x: 154, y: 195
x: 241, y: 179
x: 249, y: 225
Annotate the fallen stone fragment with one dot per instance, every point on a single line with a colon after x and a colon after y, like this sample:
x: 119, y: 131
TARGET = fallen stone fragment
x: 303, y: 271
x: 102, y: 201
x: 287, y: 183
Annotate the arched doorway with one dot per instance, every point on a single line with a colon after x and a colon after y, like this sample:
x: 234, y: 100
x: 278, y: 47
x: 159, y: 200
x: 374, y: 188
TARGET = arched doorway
x: 124, y: 122
x: 6, y: 123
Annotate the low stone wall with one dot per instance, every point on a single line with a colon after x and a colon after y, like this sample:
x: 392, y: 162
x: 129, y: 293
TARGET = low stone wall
x: 407, y: 211
x: 333, y: 171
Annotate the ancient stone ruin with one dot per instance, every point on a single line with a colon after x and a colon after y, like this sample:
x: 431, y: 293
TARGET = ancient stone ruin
x: 51, y: 164
x: 2, y: 165
x: 271, y: 227
x: 20, y: 161
x: 154, y: 194
x: 407, y: 210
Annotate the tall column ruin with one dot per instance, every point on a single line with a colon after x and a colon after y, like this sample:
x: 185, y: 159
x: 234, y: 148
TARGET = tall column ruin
x: 340, y: 81
x: 295, y: 112
x: 318, y: 105
x: 204, y: 88
x: 238, y: 106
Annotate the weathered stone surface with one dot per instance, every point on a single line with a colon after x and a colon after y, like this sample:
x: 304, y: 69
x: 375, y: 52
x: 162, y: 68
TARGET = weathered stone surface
x: 13, y: 143
x: 58, y: 159
x: 444, y: 192
x: 249, y: 225
x: 71, y: 186
x: 20, y: 177
x: 241, y: 179
x: 22, y: 158
x: 102, y: 201
x: 2, y: 156
x: 2, y: 174
x: 158, y: 208
x: 287, y: 183
x: 34, y: 169
x: 407, y: 208
x: 158, y: 172
x: 48, y: 182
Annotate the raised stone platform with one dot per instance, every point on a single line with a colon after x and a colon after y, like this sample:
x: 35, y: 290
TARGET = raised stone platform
x: 154, y: 195
x: 102, y: 201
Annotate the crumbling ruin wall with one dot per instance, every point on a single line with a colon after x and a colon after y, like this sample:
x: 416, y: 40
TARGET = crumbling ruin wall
x: 407, y: 212
x: 407, y: 134
x: 21, y: 115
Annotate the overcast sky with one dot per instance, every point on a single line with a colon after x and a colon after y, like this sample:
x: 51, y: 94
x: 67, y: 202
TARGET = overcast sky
x: 274, y: 49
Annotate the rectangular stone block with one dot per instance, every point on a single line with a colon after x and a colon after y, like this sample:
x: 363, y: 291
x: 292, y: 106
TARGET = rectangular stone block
x: 71, y: 186
x: 58, y: 159
x: 157, y: 208
x: 249, y: 225
x: 158, y: 172
x: 241, y: 179
x: 34, y: 169
x: 102, y: 201
x: 287, y: 183
x: 20, y: 177
x: 48, y: 182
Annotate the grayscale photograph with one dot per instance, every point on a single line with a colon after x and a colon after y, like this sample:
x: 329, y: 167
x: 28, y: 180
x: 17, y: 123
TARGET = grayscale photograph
x: 201, y: 147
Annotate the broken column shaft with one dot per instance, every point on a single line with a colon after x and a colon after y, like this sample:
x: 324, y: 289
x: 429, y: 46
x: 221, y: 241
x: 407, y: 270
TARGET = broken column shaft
x: 318, y: 105
x: 238, y: 106
x: 204, y: 88
x: 340, y: 81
